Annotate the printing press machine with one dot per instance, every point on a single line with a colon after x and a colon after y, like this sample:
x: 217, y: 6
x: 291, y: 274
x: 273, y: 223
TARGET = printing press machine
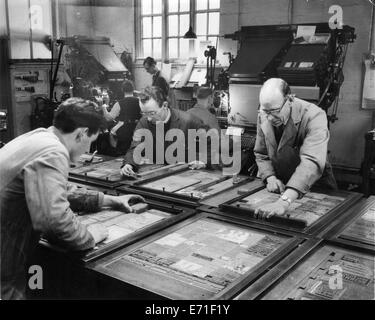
x: 312, y: 66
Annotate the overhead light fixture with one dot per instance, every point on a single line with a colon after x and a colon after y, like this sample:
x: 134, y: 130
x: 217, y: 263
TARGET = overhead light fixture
x: 190, y: 34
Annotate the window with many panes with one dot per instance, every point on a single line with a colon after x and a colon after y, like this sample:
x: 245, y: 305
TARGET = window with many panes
x: 178, y: 21
x: 207, y: 19
x: 163, y: 24
x: 151, y: 28
x: 29, y: 21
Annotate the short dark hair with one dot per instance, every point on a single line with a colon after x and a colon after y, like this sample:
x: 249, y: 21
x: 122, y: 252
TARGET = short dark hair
x: 127, y: 86
x: 204, y: 92
x: 150, y: 61
x: 155, y: 93
x: 76, y: 113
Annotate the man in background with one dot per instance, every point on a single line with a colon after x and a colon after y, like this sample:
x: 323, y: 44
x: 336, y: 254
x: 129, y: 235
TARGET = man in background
x: 155, y: 109
x: 203, y: 109
x: 124, y: 115
x: 157, y: 79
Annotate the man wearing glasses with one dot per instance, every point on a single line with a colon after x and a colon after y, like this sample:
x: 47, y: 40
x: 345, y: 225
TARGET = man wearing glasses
x: 155, y: 108
x: 291, y: 147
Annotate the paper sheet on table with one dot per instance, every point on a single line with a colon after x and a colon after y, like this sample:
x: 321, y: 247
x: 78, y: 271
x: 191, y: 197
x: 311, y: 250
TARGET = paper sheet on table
x: 305, y: 31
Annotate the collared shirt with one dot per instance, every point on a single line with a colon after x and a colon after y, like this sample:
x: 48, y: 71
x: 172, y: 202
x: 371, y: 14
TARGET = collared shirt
x: 168, y: 117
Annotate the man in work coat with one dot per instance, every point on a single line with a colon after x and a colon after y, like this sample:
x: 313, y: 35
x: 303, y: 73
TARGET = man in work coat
x: 291, y: 147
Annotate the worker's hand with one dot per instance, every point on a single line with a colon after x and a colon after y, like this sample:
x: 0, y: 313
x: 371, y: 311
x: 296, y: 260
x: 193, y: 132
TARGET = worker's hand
x: 105, y: 98
x: 127, y: 171
x: 125, y: 202
x: 268, y: 210
x: 122, y: 203
x: 275, y: 185
x: 99, y: 100
x: 196, y: 164
x: 98, y: 232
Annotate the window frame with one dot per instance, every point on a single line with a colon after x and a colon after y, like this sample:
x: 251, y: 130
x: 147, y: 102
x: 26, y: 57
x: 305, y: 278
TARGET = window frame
x: 139, y: 30
x: 165, y: 27
x: 178, y: 37
x: 52, y: 24
x: 207, y: 11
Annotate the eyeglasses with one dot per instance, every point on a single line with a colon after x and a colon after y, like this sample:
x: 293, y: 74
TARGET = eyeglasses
x: 274, y: 110
x: 149, y: 113
x: 144, y: 98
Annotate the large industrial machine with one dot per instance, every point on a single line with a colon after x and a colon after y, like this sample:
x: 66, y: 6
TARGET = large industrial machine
x: 311, y: 63
x: 84, y: 67
x: 92, y: 65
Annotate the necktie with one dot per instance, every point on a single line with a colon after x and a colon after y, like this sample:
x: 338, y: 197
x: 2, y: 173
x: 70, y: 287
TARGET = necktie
x: 278, y: 133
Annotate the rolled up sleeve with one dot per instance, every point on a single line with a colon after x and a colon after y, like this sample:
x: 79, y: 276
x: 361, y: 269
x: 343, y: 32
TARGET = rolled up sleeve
x: 84, y: 200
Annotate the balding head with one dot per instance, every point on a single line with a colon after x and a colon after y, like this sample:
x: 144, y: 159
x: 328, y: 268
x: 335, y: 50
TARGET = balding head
x: 272, y: 99
x: 273, y: 92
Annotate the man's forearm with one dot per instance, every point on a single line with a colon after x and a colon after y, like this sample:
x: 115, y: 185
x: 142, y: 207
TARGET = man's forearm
x: 85, y: 200
x: 109, y: 201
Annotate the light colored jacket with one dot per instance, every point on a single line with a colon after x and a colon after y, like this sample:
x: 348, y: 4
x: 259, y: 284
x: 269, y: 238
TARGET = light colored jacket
x: 307, y: 133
